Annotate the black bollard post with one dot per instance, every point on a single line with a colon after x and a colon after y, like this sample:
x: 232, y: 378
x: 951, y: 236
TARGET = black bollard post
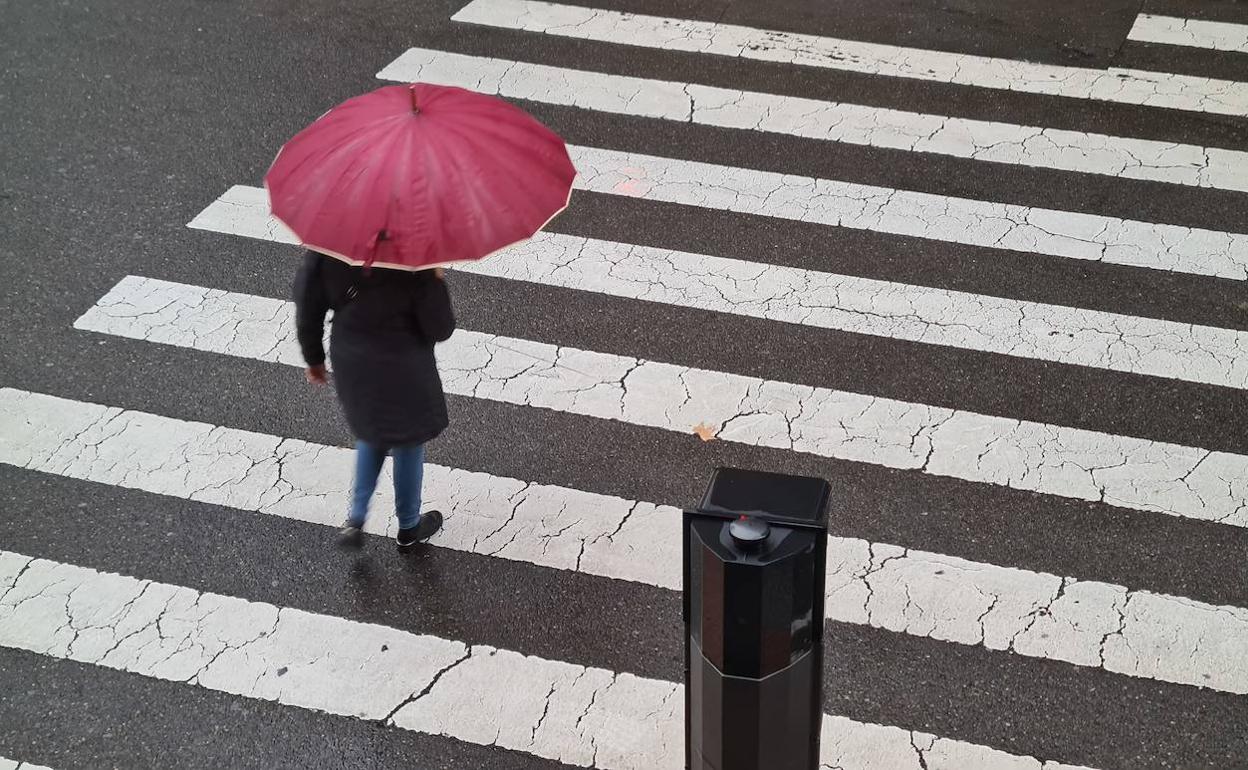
x: 754, y: 553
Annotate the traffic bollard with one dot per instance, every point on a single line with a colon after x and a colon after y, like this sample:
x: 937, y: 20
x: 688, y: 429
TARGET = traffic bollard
x: 754, y: 552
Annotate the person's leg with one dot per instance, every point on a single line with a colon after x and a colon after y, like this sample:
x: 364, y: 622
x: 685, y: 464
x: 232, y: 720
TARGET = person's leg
x: 409, y: 473
x: 368, y: 461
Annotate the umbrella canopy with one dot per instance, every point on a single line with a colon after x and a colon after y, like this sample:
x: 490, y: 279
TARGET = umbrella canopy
x: 417, y: 176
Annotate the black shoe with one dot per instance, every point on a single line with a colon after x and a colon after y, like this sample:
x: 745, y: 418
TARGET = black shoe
x: 351, y: 537
x: 430, y: 523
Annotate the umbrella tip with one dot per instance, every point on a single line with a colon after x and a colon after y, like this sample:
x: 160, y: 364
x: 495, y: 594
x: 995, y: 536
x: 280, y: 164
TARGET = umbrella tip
x: 411, y: 90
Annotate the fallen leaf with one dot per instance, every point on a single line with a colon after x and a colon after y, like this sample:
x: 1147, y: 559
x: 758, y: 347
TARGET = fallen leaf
x: 704, y: 431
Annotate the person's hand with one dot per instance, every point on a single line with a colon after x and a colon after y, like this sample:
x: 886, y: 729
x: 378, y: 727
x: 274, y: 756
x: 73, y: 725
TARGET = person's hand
x: 439, y: 273
x: 317, y: 375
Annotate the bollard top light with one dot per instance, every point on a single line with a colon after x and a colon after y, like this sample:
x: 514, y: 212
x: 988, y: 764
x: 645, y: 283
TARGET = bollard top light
x: 749, y: 532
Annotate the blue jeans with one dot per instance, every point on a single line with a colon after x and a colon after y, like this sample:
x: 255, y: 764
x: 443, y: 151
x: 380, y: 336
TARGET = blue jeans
x: 409, y: 471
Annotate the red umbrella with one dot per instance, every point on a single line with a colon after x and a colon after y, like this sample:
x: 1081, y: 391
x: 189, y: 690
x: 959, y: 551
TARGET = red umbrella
x: 419, y: 176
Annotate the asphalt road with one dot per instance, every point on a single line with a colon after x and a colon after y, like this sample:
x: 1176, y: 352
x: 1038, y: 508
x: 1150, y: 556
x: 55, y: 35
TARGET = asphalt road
x: 119, y: 122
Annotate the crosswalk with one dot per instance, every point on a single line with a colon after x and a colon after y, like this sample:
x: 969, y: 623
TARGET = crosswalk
x: 846, y: 303
x: 957, y: 638
x: 1177, y: 480
x: 478, y: 694
x: 850, y: 123
x: 1179, y: 92
x: 877, y: 584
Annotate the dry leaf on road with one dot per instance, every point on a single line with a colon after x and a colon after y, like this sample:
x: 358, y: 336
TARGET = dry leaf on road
x: 704, y: 431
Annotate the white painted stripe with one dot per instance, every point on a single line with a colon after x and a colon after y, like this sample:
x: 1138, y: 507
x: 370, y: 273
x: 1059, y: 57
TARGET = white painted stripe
x: 924, y: 594
x: 924, y: 215
x: 1067, y: 234
x: 1069, y: 462
x: 1011, y: 327
x: 851, y: 123
x: 243, y: 210
x: 13, y: 764
x: 508, y: 518
x: 1196, y: 33
x: 475, y: 693
x: 864, y: 306
x: 1157, y: 89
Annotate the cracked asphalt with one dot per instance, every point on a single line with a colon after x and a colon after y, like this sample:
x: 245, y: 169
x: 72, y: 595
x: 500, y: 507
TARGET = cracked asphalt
x: 1005, y: 593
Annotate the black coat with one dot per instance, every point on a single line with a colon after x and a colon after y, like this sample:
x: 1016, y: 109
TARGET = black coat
x: 385, y: 325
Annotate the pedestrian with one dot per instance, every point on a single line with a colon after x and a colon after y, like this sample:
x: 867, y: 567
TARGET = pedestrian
x: 385, y: 325
x: 383, y: 190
